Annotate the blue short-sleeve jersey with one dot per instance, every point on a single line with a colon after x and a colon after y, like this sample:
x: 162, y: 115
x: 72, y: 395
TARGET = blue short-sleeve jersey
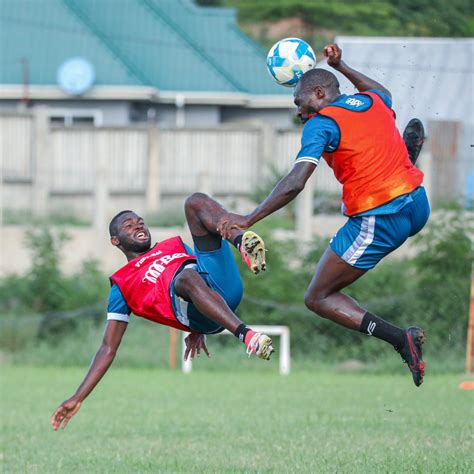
x: 117, y: 308
x: 322, y: 134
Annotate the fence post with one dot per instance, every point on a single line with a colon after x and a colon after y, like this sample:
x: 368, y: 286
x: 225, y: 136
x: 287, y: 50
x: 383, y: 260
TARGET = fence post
x: 101, y: 195
x: 304, y: 212
x: 267, y: 137
x: 444, y: 146
x: 42, y: 163
x: 425, y: 163
x: 153, y: 186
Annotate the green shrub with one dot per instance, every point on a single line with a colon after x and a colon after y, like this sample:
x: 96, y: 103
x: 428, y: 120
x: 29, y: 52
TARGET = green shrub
x: 168, y: 217
x: 387, y: 17
x: 45, y: 290
x: 443, y: 266
x: 65, y: 217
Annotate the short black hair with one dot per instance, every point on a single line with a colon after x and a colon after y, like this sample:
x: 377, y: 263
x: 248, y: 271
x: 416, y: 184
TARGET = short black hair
x: 318, y: 77
x: 113, y: 229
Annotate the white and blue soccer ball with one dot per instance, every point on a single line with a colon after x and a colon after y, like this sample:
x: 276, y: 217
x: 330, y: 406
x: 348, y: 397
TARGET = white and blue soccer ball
x: 289, y: 59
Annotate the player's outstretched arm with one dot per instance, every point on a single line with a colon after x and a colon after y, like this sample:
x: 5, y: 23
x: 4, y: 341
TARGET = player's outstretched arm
x: 99, y: 366
x: 333, y: 54
x: 284, y: 192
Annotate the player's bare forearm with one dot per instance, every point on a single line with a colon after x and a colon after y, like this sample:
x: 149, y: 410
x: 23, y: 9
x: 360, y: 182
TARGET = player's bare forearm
x: 284, y: 192
x: 360, y: 81
x: 99, y: 366
x: 102, y: 359
x: 101, y: 362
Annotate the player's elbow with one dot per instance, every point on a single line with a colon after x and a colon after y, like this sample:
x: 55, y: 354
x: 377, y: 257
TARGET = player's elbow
x: 294, y: 187
x: 108, y: 351
x: 298, y: 187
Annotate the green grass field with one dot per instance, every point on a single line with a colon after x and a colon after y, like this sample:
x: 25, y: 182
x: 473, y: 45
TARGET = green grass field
x: 142, y: 420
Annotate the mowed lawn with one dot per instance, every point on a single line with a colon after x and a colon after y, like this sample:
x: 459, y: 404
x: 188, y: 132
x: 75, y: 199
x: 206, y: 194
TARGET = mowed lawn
x: 162, y: 421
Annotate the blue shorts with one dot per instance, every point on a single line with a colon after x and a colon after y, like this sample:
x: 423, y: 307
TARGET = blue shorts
x: 364, y: 240
x: 219, y: 270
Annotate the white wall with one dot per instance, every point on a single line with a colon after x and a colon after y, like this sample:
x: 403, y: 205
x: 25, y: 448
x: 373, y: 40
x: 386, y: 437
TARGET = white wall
x: 278, y: 118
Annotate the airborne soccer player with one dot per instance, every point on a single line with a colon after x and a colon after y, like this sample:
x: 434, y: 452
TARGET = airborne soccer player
x: 382, y: 195
x: 170, y: 284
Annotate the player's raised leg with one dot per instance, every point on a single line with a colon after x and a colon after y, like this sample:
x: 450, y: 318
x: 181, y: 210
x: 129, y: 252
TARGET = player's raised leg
x: 203, y: 214
x: 324, y: 297
x: 218, y: 296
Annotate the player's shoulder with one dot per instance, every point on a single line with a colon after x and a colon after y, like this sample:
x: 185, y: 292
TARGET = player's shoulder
x: 356, y: 102
x: 318, y: 122
x: 115, y: 296
x: 319, y: 133
x: 385, y: 98
x: 117, y: 307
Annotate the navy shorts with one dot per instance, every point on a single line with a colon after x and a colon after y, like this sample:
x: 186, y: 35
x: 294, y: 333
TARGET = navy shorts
x: 219, y: 270
x: 364, y: 240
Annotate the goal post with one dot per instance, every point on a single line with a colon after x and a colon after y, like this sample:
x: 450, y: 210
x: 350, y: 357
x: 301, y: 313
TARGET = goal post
x: 284, y: 352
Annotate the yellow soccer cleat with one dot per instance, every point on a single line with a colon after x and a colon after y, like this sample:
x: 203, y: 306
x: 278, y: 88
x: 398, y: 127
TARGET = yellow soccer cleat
x: 261, y: 346
x: 253, y: 252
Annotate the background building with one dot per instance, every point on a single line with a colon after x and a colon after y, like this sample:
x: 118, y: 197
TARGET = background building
x: 168, y: 61
x: 169, y: 98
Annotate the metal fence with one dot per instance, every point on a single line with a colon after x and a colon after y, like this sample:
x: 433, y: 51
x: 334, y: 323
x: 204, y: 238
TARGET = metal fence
x: 228, y: 158
x: 17, y: 147
x: 42, y: 165
x: 76, y: 153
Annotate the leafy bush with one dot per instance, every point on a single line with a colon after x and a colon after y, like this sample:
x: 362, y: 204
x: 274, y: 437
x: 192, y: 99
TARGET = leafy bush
x: 44, y: 289
x: 443, y: 266
x: 65, y: 217
x: 387, y: 17
x: 169, y: 217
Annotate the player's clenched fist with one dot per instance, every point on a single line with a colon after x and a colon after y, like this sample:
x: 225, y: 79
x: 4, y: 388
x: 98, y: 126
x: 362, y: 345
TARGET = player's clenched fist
x: 229, y: 222
x: 333, y: 54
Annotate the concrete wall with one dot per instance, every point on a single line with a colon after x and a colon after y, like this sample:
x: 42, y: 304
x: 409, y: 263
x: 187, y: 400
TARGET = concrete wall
x: 115, y: 113
x: 278, y: 118
x: 60, y: 170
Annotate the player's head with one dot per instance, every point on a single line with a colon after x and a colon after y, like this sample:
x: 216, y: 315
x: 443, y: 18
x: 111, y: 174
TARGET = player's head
x: 316, y: 89
x: 129, y: 232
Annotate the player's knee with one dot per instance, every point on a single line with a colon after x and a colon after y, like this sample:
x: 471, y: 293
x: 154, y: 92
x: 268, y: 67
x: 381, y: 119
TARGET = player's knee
x: 195, y: 201
x: 313, y: 302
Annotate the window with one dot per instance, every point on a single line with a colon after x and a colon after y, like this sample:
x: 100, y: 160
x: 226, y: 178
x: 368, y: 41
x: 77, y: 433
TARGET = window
x: 75, y: 117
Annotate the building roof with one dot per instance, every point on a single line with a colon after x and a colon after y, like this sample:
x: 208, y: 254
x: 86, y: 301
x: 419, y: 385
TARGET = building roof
x: 429, y: 78
x: 168, y: 45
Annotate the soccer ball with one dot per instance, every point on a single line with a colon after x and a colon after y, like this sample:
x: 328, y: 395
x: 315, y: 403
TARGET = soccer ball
x: 289, y: 59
